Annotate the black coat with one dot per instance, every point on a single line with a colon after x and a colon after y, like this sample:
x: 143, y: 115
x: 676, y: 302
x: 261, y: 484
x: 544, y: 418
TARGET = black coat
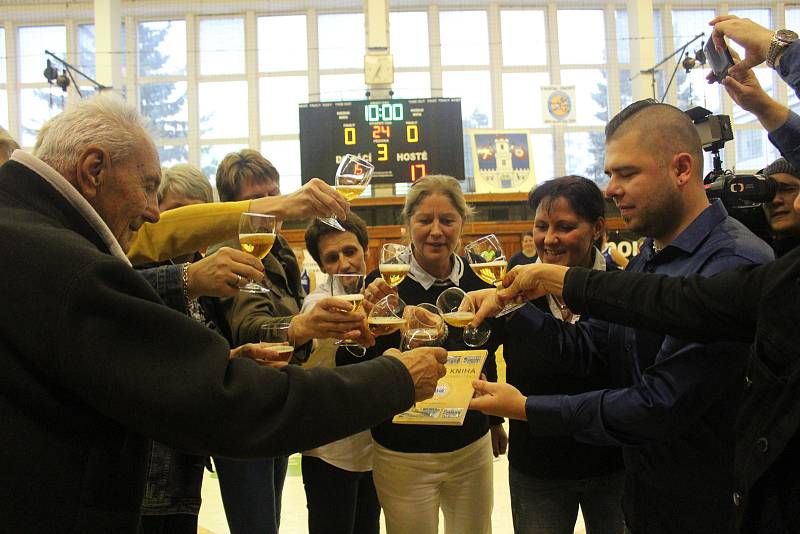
x: 753, y: 304
x: 93, y: 364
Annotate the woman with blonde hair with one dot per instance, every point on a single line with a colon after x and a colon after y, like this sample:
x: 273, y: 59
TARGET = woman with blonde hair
x: 419, y: 469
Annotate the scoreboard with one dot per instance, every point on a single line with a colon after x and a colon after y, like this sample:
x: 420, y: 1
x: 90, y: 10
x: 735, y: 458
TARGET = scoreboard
x: 404, y: 139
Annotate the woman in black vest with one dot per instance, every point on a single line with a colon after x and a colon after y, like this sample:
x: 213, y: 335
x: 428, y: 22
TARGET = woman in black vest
x: 419, y: 469
x: 550, y: 476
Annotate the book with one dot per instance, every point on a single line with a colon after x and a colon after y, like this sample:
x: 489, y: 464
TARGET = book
x: 450, y: 401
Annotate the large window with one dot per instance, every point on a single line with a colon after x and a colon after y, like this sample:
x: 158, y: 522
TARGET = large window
x: 211, y: 83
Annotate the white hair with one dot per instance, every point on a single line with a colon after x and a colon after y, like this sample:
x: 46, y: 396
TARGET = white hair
x: 7, y: 144
x: 104, y: 120
x: 185, y: 180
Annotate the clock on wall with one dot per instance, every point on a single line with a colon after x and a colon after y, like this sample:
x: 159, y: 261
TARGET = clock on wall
x: 378, y: 69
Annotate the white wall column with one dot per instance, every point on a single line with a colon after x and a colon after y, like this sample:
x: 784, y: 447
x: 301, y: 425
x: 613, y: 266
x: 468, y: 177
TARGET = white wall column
x: 108, y: 54
x: 643, y: 46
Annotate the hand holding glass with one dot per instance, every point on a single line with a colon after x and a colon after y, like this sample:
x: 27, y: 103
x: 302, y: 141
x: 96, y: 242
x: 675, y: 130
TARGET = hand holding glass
x: 458, y: 310
x: 257, y: 233
x: 275, y: 336
x: 395, y: 263
x: 349, y: 287
x: 352, y: 177
x: 487, y: 260
x: 386, y: 317
x: 424, y: 327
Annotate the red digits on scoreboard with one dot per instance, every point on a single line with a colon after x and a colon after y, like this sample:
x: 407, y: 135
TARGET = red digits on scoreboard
x: 418, y: 170
x: 381, y: 131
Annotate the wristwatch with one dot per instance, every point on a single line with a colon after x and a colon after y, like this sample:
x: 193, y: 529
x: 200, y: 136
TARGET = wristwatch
x: 780, y: 40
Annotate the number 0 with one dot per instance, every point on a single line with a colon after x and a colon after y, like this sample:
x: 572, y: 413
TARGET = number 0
x: 349, y: 136
x: 412, y: 133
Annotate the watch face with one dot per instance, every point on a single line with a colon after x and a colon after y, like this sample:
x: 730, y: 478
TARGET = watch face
x: 786, y: 36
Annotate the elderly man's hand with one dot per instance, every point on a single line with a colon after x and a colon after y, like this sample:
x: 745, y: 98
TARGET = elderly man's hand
x: 261, y: 354
x: 755, y: 39
x: 222, y: 273
x: 500, y: 399
x: 426, y: 367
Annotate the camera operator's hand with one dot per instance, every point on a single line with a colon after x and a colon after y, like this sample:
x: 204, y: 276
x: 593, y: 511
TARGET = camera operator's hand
x: 426, y: 367
x: 745, y: 89
x: 755, y: 39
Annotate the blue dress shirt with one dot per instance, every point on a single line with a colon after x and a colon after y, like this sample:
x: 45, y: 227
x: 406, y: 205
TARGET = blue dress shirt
x: 671, y: 404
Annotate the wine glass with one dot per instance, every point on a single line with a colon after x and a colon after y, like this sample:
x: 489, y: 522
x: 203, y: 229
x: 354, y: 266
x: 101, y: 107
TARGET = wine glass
x: 424, y: 327
x: 352, y: 177
x: 387, y: 316
x: 275, y: 336
x: 395, y: 263
x: 487, y: 260
x: 257, y: 233
x: 458, y: 310
x: 349, y: 287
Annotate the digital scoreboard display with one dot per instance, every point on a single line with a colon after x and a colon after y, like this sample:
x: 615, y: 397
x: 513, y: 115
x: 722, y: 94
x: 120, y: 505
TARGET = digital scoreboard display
x: 404, y: 139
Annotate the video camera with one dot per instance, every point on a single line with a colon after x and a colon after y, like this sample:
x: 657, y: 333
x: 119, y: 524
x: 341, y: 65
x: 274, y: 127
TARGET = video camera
x: 741, y: 194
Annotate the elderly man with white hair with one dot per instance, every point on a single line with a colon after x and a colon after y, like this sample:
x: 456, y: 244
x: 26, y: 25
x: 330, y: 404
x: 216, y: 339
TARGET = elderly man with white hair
x: 94, y: 364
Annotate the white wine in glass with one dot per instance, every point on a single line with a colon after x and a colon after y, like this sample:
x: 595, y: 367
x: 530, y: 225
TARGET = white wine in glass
x: 348, y: 287
x: 352, y: 177
x: 387, y: 316
x: 257, y: 234
x: 487, y: 260
x: 458, y: 310
x: 395, y: 263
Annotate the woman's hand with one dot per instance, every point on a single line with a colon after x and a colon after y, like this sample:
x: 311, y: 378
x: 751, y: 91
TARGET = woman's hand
x: 374, y: 292
x: 500, y: 399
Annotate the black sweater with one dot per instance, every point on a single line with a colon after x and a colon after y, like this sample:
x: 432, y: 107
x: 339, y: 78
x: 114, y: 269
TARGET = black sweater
x: 550, y: 457
x: 430, y: 438
x: 757, y: 304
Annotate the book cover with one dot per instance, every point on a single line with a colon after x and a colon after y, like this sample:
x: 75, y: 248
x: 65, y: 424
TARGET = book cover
x: 450, y: 402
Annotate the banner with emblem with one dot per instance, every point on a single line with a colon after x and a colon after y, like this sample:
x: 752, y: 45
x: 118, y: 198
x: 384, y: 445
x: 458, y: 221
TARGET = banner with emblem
x: 502, y: 161
x: 558, y: 104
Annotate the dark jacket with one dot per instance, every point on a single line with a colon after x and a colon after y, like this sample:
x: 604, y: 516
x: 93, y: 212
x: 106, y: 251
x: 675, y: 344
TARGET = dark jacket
x: 94, y: 364
x: 759, y: 305
x: 550, y: 457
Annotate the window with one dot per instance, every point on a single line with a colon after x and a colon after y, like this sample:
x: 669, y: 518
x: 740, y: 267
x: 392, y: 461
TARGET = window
x: 465, y: 37
x: 279, y: 98
x: 409, y: 39
x: 341, y: 41
x: 590, y: 48
x: 522, y: 106
x: 282, y: 43
x: 476, y: 96
x: 162, y: 48
x: 223, y: 109
x: 285, y: 155
x: 221, y: 46
x: 693, y: 89
x: 523, y: 37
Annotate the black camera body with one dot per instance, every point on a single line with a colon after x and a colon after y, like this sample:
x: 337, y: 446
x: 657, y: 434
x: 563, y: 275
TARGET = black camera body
x: 741, y: 194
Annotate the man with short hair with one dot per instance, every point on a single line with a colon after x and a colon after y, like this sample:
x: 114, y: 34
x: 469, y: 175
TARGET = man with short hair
x: 671, y: 404
x: 94, y: 364
x: 527, y: 254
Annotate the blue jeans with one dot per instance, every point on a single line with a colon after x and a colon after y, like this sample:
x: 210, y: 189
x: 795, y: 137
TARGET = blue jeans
x: 543, y: 506
x: 251, y: 493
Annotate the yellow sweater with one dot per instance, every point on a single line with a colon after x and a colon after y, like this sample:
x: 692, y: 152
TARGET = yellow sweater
x: 185, y: 230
